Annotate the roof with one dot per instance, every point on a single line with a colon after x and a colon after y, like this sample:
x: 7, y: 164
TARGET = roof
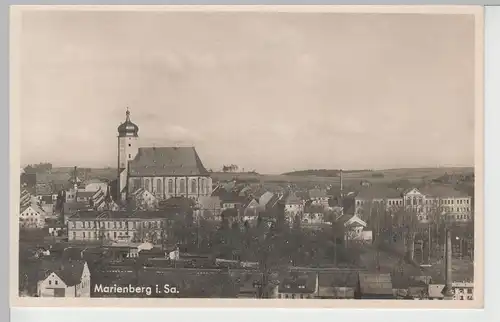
x: 303, y: 283
x: 265, y: 198
x: 167, y: 161
x: 442, y: 191
x: 338, y: 279
x: 92, y: 215
x: 212, y: 202
x: 317, y: 193
x: 72, y: 207
x: 375, y: 284
x: 436, y: 290
x: 292, y: 199
x: 47, y: 199
x: 378, y: 192
x: 69, y: 271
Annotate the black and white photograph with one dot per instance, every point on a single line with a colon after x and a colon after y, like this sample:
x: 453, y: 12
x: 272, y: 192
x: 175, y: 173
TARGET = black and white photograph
x: 263, y: 154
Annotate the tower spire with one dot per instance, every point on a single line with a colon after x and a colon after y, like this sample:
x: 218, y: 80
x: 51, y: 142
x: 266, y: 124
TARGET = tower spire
x: 127, y: 113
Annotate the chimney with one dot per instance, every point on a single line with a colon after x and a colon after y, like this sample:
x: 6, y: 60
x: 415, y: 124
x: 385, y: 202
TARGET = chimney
x: 341, y: 184
x: 447, y: 291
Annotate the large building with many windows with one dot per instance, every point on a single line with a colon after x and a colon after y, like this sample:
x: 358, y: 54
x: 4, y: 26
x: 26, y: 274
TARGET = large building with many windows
x: 117, y: 226
x: 164, y: 171
x: 425, y: 202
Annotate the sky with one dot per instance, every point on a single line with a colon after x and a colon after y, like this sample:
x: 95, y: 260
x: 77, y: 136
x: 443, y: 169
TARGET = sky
x: 271, y: 92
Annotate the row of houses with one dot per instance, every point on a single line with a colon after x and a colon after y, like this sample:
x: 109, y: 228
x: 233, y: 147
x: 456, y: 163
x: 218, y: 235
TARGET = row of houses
x: 73, y: 278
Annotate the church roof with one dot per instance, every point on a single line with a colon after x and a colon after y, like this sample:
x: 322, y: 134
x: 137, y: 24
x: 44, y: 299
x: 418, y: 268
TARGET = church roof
x: 167, y: 161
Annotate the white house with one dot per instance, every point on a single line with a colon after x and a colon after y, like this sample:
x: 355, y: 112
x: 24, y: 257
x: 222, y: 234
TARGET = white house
x: 32, y: 217
x: 66, y: 279
x: 354, y: 227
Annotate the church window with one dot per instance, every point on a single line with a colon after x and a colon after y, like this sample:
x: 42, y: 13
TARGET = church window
x: 182, y: 186
x: 146, y: 184
x: 193, y: 186
x: 158, y: 186
x: 170, y: 186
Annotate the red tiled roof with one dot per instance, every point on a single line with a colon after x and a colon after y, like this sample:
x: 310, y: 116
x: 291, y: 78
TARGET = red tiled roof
x: 167, y: 161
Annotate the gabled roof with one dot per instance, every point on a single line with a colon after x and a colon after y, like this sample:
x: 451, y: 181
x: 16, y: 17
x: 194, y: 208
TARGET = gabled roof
x: 375, y: 284
x: 167, y: 161
x: 69, y: 271
x: 265, y: 198
x: 292, y: 199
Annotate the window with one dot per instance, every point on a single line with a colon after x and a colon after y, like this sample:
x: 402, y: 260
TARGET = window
x: 146, y: 184
x: 74, y: 235
x: 50, y: 282
x: 170, y: 186
x: 129, y: 144
x: 130, y: 155
x: 203, y: 185
x: 114, y: 235
x: 56, y: 282
x: 114, y: 224
x: 182, y: 186
x: 83, y: 234
x: 159, y: 184
x: 193, y: 186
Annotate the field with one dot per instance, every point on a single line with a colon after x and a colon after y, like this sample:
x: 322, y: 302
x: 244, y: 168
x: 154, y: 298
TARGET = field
x: 351, y: 178
x: 414, y: 175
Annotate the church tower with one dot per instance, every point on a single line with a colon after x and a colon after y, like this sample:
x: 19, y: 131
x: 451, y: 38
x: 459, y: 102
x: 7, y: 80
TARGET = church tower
x: 128, y: 141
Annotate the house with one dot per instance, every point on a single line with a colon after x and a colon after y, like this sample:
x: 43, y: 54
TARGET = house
x: 32, y: 217
x: 463, y: 291
x: 64, y: 279
x: 435, y: 291
x: 298, y: 286
x: 84, y: 196
x: 354, y: 228
x: 374, y: 286
x: 71, y: 208
x: 251, y: 210
x: 25, y: 199
x: 337, y: 285
x: 144, y: 199
x: 208, y: 207
x: 319, y: 197
x: 248, y: 284
x: 293, y: 205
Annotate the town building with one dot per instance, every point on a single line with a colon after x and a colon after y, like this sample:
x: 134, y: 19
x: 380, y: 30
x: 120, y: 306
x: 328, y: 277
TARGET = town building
x: 144, y: 200
x: 64, y: 279
x: 164, y: 171
x: 337, y: 285
x: 208, y: 207
x: 117, y: 225
x: 426, y: 202
x: 294, y: 205
x: 374, y: 286
x: 32, y: 217
x: 319, y: 197
x: 298, y: 286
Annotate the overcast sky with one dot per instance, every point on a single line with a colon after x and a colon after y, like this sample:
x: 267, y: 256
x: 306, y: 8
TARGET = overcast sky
x: 267, y: 91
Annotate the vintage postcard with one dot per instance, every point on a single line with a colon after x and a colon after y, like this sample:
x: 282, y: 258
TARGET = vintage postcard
x: 247, y: 156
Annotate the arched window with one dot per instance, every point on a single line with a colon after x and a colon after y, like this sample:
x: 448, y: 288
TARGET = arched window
x: 146, y: 184
x: 193, y: 186
x: 182, y: 186
x: 159, y: 190
x: 170, y: 186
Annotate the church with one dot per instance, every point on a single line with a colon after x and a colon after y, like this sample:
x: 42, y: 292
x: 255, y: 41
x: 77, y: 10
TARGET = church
x: 164, y: 171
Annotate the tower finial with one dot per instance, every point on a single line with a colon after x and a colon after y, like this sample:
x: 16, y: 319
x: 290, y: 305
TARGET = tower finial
x: 127, y: 113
